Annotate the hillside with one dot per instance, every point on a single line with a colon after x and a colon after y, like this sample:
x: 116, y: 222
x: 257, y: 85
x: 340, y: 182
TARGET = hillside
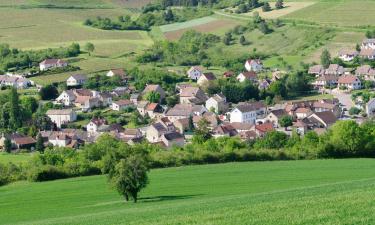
x: 294, y: 192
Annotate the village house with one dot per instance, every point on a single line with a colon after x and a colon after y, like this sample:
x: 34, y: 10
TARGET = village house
x: 368, y: 44
x: 349, y: 82
x: 76, y: 80
x: 67, y: 137
x: 224, y: 130
x: 135, y: 98
x: 61, y: 116
x: 141, y: 107
x: 173, y: 139
x: 205, y: 79
x: 274, y: 116
x: 264, y: 84
x: 93, y: 126
x: 300, y: 126
x: 183, y: 125
x: 262, y: 129
x: 154, y: 110
x: 180, y: 111
x: 156, y: 130
x: 326, y: 81
x: 303, y: 112
x: 228, y: 74
x: 241, y: 127
x: 367, y: 54
x: 322, y: 119
x: 131, y: 134
x: 370, y: 108
x: 255, y: 65
x: 121, y: 105
x: 195, y: 72
x: 250, y: 76
x: 117, y: 72
x: 316, y: 70
x: 335, y: 69
x: 326, y: 105
x: 366, y: 71
x: 18, y: 141
x: 15, y: 81
x: 217, y: 103
x: 247, y: 112
x: 208, y: 116
x: 192, y: 95
x: 347, y: 55
x: 154, y: 88
x: 52, y: 63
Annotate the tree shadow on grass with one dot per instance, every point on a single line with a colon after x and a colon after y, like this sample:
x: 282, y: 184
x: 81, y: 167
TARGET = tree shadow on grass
x: 166, y: 198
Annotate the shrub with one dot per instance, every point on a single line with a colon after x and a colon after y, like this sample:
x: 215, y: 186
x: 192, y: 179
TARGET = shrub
x: 46, y: 173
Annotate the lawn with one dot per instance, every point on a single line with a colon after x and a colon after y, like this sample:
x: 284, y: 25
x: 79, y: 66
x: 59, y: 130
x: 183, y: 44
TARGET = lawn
x: 289, y: 192
x: 346, y: 13
x: 15, y: 158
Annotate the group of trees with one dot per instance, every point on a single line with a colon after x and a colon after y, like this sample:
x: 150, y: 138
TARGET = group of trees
x: 103, y: 83
x: 189, y: 50
x: 152, y: 16
x: 15, y: 59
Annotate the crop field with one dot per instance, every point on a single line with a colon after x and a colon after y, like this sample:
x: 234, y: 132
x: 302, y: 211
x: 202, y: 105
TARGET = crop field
x: 289, y: 192
x: 340, y: 13
x: 209, y: 24
x: 289, y: 7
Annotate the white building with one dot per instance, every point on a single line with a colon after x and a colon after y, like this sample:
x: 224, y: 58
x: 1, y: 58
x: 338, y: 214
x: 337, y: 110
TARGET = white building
x: 66, y: 98
x: 350, y: 82
x: 52, y: 63
x: 255, y: 65
x: 121, y: 105
x: 368, y: 44
x: 76, y: 80
x: 217, y: 103
x: 347, y: 55
x: 195, y: 72
x: 247, y: 112
x: 61, y: 116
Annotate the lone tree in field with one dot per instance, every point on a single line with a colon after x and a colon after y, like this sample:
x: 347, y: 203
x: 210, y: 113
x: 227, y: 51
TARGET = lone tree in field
x: 243, y: 40
x: 325, y: 58
x: 89, y: 47
x: 266, y: 7
x: 130, y: 176
x: 279, y: 4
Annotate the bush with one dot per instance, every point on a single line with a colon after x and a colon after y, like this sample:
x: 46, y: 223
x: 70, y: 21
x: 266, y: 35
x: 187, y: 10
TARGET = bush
x: 46, y: 173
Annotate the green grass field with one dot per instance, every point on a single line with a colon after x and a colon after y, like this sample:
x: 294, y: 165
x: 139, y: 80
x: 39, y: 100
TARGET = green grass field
x: 294, y: 192
x: 15, y: 158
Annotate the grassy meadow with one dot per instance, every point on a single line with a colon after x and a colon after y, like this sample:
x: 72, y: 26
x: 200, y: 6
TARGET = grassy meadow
x: 283, y: 192
x: 15, y: 158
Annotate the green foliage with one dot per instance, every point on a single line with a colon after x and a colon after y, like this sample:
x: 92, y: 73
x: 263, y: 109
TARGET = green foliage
x: 7, y: 145
x: 279, y: 4
x: 17, y: 59
x: 266, y: 7
x: 130, y: 176
x: 103, y: 83
x: 325, y: 58
x: 272, y: 140
x: 354, y: 111
x: 48, y: 92
x: 286, y: 121
x: 89, y: 47
x: 152, y: 96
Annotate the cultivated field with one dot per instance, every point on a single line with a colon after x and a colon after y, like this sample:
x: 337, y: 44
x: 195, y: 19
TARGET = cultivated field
x: 289, y: 8
x: 294, y: 192
x: 340, y: 13
x: 209, y: 24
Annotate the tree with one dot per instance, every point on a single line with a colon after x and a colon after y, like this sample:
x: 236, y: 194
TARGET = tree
x: 39, y: 146
x: 263, y: 27
x: 130, y: 176
x: 266, y: 7
x: 357, y: 47
x: 354, y: 111
x: 325, y: 58
x: 286, y: 121
x: 227, y: 38
x: 15, y: 120
x: 202, y: 131
x: 89, y: 47
x: 48, y: 92
x: 153, y: 96
x: 168, y: 15
x: 279, y: 4
x: 243, y: 40
x: 7, y: 145
x: 206, y: 63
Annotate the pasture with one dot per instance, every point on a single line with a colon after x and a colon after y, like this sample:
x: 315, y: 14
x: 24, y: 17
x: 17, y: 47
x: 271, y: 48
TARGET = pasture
x: 289, y: 7
x: 15, y: 158
x: 283, y: 192
x: 346, y: 13
x: 209, y: 24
